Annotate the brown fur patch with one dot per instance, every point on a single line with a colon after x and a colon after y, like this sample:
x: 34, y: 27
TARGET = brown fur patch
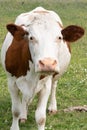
x: 72, y: 33
x: 42, y: 77
x: 17, y: 57
x: 16, y: 114
x: 55, y: 74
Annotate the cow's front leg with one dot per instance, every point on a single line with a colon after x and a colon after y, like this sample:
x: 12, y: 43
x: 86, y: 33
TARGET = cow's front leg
x: 24, y: 109
x: 53, y: 103
x: 16, y: 104
x: 26, y: 91
x: 44, y: 93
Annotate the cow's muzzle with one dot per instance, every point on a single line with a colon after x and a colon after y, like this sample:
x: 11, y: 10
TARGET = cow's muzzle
x: 47, y: 65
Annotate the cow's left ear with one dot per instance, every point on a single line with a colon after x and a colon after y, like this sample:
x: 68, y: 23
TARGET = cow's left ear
x: 12, y: 28
x: 72, y: 33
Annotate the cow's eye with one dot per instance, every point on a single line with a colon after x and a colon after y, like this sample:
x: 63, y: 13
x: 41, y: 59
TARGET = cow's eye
x: 60, y: 37
x: 31, y: 38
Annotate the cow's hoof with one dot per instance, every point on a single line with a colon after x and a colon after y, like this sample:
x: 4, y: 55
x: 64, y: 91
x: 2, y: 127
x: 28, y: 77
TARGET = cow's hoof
x: 52, y: 112
x: 22, y: 120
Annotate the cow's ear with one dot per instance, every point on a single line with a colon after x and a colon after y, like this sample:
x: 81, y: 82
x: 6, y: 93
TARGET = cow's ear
x: 72, y: 33
x: 12, y: 28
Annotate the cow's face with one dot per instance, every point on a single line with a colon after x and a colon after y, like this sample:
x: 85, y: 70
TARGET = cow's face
x: 48, y: 43
x: 44, y: 42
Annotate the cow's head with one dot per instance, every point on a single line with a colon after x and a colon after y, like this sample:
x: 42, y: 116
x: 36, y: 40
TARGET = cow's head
x: 47, y: 42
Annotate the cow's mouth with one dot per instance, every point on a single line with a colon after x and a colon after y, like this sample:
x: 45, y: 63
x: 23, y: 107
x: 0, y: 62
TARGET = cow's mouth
x: 48, y: 72
x: 45, y: 73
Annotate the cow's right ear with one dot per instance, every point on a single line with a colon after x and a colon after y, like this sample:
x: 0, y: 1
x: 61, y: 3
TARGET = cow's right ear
x: 12, y: 28
x: 72, y: 33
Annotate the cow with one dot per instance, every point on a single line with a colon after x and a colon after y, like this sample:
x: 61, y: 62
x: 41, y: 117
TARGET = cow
x: 35, y: 53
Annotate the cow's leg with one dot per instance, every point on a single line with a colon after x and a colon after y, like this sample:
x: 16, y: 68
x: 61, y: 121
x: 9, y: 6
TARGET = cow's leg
x: 16, y: 104
x: 53, y: 103
x: 40, y: 113
x: 24, y: 110
x: 26, y: 91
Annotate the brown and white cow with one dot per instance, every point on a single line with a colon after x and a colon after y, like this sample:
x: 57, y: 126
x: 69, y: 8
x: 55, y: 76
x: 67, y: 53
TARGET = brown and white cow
x: 35, y: 53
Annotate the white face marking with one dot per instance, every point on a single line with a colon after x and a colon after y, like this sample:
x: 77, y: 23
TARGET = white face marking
x: 46, y: 41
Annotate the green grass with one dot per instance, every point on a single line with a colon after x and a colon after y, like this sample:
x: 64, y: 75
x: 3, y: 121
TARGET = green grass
x: 72, y: 87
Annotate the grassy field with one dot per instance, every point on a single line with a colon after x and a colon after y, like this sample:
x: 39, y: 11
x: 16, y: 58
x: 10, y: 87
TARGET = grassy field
x: 72, y: 87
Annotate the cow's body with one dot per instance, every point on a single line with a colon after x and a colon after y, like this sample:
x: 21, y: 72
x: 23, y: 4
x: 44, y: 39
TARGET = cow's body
x: 35, y: 54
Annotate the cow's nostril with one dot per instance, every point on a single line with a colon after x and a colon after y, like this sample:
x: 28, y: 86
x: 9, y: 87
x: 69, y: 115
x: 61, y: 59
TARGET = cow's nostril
x: 41, y: 63
x: 54, y: 62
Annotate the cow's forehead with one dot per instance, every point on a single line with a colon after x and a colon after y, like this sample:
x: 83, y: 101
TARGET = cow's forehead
x: 39, y: 16
x: 44, y: 24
